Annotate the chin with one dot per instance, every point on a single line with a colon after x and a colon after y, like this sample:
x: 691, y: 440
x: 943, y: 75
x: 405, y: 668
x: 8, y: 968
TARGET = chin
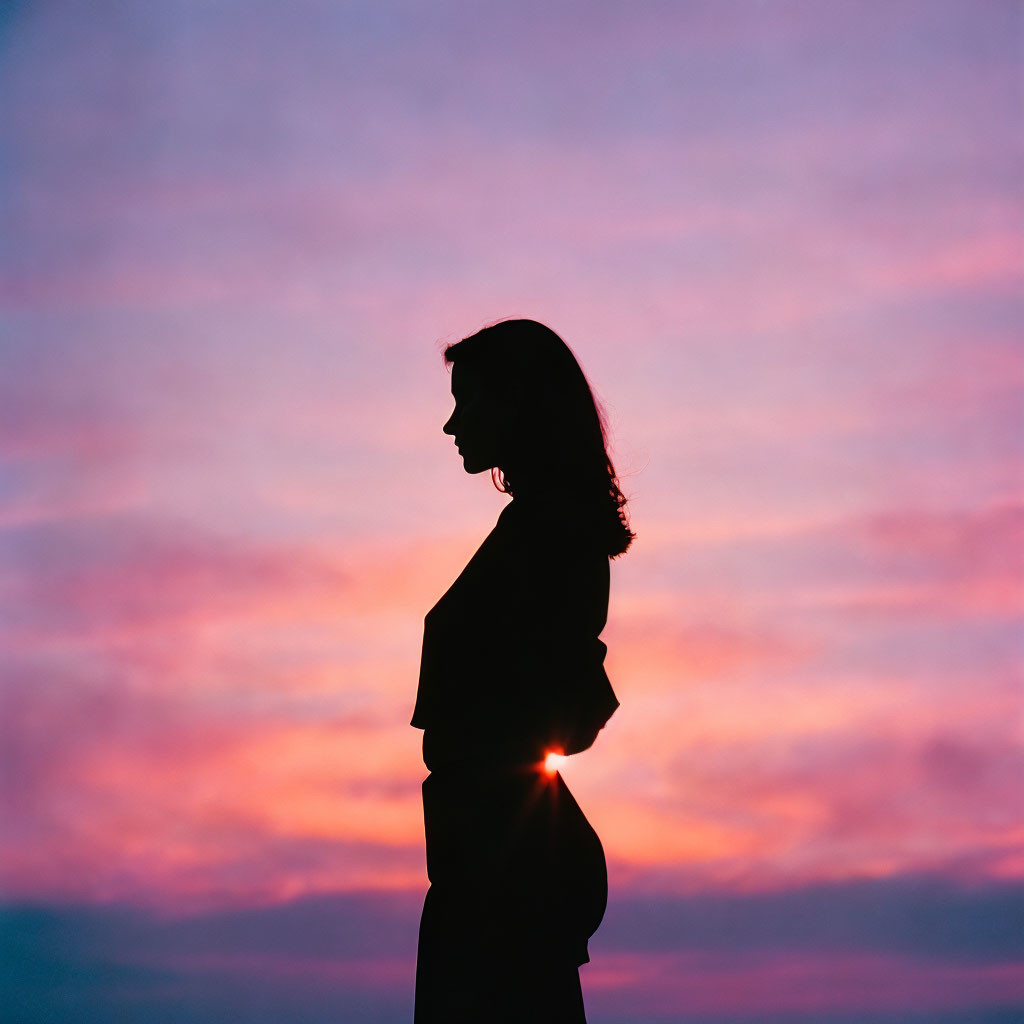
x: 472, y: 466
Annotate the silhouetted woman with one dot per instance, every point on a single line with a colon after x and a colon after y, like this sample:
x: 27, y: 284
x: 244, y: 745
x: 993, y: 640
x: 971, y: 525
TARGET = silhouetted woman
x: 512, y: 670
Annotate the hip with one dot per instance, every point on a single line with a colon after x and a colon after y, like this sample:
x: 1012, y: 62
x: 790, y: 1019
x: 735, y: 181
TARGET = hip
x: 508, y: 822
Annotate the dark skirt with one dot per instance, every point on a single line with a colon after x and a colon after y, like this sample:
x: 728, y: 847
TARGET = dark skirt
x: 518, y: 884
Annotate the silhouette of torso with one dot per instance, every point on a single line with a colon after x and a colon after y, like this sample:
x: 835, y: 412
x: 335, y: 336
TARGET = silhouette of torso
x: 512, y: 667
x: 511, y: 662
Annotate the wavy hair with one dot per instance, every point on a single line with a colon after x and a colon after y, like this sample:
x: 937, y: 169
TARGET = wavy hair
x: 564, y: 428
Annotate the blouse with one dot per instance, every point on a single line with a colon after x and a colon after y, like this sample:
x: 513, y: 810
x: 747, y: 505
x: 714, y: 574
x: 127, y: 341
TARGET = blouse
x: 512, y: 666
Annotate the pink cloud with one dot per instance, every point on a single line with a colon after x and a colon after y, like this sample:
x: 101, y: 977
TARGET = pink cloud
x: 911, y: 562
x: 221, y: 671
x: 678, y: 648
x: 158, y: 799
x: 114, y: 583
x: 827, y: 805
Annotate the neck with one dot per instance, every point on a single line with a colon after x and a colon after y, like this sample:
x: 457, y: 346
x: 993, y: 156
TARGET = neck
x: 538, y: 488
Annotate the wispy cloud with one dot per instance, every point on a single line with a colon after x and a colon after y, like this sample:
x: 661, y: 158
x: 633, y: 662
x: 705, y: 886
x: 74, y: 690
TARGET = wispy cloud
x: 783, y: 241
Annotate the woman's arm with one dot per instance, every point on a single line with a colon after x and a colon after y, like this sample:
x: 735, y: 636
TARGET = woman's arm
x: 564, y: 584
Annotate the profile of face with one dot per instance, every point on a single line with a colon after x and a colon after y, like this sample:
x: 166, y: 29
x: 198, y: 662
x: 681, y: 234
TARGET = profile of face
x: 480, y: 423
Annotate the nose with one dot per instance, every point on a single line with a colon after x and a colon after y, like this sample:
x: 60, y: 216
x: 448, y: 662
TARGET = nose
x: 449, y: 427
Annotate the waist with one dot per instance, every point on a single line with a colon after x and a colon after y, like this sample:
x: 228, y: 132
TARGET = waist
x: 480, y: 767
x: 500, y: 755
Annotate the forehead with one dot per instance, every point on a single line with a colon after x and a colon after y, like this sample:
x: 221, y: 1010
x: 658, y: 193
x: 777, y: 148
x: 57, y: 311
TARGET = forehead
x: 465, y: 380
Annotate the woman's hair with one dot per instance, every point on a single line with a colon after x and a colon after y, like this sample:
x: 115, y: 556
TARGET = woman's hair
x: 564, y: 431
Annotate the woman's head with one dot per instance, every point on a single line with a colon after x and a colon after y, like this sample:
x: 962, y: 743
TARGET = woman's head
x: 524, y: 407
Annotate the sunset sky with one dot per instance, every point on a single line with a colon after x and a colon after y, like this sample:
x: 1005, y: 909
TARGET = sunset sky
x: 785, y: 240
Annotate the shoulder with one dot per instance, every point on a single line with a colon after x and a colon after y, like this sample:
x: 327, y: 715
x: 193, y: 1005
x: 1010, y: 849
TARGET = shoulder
x: 565, y: 527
